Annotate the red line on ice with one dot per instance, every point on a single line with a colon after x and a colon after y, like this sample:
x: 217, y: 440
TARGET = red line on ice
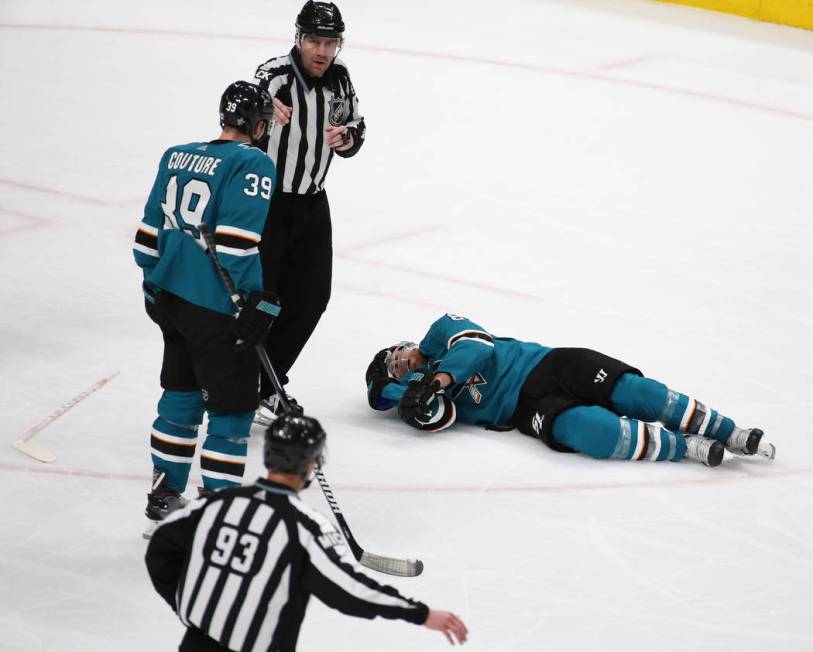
x: 21, y: 185
x: 439, y: 55
x: 719, y: 476
x: 393, y: 297
x: 624, y: 63
x: 34, y: 222
x: 417, y: 233
x: 441, y: 277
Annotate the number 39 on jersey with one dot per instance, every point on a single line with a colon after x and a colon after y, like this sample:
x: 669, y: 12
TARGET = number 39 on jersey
x: 187, y: 214
x: 255, y: 182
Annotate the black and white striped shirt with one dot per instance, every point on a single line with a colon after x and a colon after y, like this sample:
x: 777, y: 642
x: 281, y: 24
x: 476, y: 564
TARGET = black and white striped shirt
x: 242, y: 565
x: 299, y: 149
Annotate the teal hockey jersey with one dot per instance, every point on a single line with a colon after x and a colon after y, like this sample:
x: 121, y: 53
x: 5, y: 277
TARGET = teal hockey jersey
x: 228, y: 185
x: 487, y: 371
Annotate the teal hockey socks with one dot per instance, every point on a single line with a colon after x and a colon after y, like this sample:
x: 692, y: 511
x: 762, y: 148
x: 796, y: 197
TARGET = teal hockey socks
x: 223, y: 457
x: 602, y: 434
x: 174, y: 436
x: 649, y: 400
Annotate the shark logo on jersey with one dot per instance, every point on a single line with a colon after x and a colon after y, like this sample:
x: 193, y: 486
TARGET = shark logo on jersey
x: 471, y: 385
x: 339, y: 110
x: 600, y: 376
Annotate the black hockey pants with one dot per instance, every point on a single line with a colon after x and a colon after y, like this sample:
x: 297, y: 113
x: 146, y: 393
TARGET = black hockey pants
x: 297, y: 259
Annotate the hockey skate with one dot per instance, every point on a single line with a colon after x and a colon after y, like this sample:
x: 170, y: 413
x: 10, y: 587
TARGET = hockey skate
x: 271, y: 408
x: 750, y: 441
x: 708, y: 451
x: 766, y: 449
x: 160, y: 504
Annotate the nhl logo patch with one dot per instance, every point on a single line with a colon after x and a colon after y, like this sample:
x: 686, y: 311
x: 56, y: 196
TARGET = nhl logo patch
x: 338, y: 111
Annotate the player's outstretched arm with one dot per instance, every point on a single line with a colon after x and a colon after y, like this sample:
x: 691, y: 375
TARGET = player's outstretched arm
x: 445, y: 621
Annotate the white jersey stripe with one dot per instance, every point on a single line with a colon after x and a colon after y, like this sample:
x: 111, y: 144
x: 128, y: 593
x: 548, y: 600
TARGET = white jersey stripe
x: 226, y: 229
x: 224, y: 605
x: 472, y: 336
x: 209, y: 581
x: 260, y: 519
x: 146, y: 250
x: 473, y: 339
x: 294, y: 136
x: 275, y: 547
x: 236, y: 510
x: 278, y: 601
x: 196, y: 560
x: 310, y: 135
x: 234, y: 251
x: 149, y: 230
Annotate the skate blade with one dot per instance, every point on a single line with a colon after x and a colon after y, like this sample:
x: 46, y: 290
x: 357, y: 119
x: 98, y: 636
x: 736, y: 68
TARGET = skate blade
x: 766, y: 450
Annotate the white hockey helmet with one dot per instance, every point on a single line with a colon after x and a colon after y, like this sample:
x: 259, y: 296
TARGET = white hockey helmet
x: 397, y: 359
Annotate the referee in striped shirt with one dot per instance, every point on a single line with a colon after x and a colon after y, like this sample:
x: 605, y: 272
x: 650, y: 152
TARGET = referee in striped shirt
x: 316, y: 116
x: 239, y: 567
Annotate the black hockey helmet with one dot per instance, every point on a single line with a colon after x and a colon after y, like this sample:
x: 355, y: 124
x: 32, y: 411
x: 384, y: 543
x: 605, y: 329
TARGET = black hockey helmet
x: 243, y: 105
x: 319, y: 19
x: 291, y: 442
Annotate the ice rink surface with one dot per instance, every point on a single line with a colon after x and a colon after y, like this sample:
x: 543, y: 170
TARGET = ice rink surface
x: 627, y: 176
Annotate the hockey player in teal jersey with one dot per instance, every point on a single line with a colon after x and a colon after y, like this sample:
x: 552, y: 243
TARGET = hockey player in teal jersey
x: 209, y: 364
x: 572, y: 399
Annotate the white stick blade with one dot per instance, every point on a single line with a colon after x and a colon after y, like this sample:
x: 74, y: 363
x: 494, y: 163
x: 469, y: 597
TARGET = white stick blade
x: 36, y: 452
x: 391, y: 566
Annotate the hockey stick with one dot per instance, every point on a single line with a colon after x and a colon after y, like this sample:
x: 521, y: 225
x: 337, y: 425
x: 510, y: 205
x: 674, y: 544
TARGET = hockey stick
x: 388, y: 565
x: 42, y: 454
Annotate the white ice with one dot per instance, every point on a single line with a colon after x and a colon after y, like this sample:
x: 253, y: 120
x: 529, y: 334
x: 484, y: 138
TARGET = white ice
x: 628, y: 176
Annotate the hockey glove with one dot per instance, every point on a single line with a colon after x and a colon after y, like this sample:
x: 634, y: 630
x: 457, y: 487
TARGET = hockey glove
x: 425, y: 405
x: 377, y: 378
x: 254, y: 319
x: 417, y: 398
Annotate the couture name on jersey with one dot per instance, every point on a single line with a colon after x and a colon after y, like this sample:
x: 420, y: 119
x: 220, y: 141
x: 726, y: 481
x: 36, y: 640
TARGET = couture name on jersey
x: 193, y: 163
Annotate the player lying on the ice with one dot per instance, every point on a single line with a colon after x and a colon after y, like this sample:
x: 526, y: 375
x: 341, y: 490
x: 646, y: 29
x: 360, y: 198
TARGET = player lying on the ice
x: 571, y: 399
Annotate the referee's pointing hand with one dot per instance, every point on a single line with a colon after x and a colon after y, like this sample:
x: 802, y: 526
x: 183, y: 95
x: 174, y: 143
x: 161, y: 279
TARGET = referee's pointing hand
x: 448, y: 623
x: 339, y: 138
x: 282, y: 113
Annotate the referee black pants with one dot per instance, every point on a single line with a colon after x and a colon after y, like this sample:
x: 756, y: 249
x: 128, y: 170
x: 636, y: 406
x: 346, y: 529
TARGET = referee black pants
x: 297, y: 259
